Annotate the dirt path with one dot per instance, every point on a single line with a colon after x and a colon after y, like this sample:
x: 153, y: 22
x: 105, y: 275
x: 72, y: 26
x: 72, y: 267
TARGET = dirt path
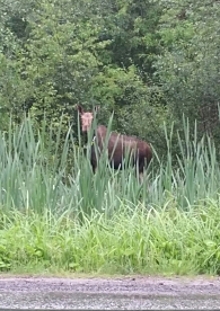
x: 123, y: 285
x: 120, y: 293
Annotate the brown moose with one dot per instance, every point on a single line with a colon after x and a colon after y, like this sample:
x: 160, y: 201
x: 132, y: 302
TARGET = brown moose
x: 117, y: 144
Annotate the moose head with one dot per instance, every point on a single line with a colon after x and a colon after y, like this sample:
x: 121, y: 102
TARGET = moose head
x: 86, y: 118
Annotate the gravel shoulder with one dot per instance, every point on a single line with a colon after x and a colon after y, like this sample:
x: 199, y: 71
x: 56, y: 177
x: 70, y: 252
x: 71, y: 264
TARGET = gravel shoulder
x: 136, y: 285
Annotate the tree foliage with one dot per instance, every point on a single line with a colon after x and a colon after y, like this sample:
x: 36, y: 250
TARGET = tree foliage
x: 148, y: 61
x: 189, y: 66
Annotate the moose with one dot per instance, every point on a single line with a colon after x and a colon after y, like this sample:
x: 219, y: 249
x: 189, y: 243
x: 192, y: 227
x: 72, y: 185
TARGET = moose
x: 117, y: 144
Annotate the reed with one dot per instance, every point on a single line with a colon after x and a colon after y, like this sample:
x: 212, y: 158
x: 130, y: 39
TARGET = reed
x: 34, y: 174
x: 63, y: 217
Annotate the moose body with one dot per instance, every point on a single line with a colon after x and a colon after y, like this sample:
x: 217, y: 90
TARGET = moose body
x: 119, y: 147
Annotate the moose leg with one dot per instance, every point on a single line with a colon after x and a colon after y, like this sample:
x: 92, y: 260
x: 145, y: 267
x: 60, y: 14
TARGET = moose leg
x: 94, y: 167
x: 94, y: 159
x: 141, y: 177
x: 141, y: 172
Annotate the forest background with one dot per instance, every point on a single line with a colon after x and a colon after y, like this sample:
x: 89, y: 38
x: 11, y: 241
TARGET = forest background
x: 151, y: 62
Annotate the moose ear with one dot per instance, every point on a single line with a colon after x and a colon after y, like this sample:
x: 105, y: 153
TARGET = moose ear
x: 80, y: 109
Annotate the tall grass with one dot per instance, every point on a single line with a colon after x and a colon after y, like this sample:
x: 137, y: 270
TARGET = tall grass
x: 34, y: 174
x: 56, y: 212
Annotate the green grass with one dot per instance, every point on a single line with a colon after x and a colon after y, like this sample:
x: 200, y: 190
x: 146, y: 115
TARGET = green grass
x: 163, y: 241
x: 57, y: 216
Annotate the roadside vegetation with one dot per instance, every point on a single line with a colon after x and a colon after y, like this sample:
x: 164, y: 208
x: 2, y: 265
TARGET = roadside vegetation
x: 54, y: 220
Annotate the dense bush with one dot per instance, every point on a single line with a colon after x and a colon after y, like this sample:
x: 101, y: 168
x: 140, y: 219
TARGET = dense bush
x: 160, y: 58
